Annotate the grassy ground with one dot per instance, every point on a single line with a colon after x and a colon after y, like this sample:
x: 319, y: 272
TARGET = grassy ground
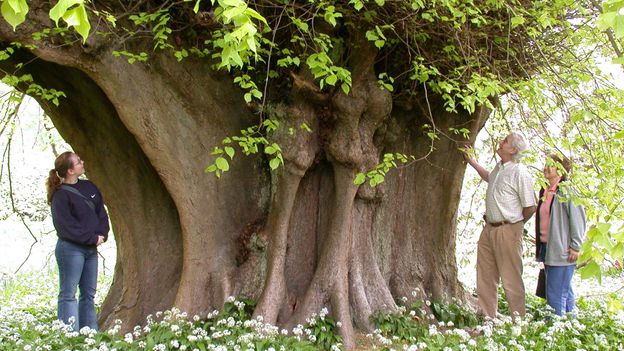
x: 27, y: 323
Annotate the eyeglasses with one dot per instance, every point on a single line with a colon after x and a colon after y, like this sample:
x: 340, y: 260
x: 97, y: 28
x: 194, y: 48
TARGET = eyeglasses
x: 78, y: 162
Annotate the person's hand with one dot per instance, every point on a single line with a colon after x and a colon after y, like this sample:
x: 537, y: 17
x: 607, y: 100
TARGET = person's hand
x: 468, y: 153
x: 100, y: 240
x: 572, y: 255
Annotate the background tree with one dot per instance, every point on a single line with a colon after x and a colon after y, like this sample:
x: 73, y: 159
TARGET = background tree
x: 326, y: 97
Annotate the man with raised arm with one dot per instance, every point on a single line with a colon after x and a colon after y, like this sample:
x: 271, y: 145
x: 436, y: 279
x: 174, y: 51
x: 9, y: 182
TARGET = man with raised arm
x: 510, y: 202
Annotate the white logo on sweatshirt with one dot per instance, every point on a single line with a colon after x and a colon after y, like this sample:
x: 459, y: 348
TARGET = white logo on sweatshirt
x: 93, y: 196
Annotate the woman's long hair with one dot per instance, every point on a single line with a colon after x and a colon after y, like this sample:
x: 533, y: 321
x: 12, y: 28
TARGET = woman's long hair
x: 62, y: 164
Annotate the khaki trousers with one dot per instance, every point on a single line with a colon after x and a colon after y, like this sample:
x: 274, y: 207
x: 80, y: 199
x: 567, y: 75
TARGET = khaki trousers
x: 499, y: 255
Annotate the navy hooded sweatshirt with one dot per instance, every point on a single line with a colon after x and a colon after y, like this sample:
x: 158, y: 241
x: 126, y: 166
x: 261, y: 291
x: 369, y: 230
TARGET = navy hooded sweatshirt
x: 74, y: 220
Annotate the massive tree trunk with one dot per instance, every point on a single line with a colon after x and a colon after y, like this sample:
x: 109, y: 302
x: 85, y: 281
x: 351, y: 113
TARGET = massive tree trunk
x: 146, y: 131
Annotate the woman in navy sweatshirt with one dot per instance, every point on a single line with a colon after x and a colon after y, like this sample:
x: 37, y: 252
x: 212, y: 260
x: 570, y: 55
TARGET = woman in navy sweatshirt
x: 81, y: 225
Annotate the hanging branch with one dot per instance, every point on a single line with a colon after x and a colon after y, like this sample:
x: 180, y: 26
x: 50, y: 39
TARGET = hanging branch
x: 48, y: 128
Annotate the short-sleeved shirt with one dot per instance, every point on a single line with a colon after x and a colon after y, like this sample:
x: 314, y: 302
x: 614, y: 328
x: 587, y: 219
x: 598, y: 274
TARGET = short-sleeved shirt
x: 510, y: 189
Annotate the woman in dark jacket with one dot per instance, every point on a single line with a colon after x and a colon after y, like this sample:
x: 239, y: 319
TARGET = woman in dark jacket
x: 81, y: 225
x: 559, y: 230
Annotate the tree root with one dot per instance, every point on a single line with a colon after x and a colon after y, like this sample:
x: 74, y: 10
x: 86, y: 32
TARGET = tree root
x: 274, y: 291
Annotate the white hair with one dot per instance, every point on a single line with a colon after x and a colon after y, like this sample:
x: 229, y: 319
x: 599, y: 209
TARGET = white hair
x: 518, y: 143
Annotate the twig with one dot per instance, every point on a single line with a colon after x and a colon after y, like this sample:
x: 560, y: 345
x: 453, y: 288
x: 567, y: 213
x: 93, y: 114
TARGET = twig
x: 268, y: 70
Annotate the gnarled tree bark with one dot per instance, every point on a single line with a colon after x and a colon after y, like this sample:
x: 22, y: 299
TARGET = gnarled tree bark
x: 147, y: 130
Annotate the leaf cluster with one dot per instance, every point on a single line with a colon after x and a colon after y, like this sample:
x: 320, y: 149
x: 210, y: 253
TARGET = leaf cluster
x: 250, y: 141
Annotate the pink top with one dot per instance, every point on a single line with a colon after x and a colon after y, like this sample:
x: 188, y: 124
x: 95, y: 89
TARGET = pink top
x: 544, y: 212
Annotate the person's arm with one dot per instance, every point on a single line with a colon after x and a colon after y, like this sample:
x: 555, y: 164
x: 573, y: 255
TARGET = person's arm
x: 483, y: 173
x: 527, y: 212
x: 526, y: 193
x: 576, y: 216
x: 103, y: 226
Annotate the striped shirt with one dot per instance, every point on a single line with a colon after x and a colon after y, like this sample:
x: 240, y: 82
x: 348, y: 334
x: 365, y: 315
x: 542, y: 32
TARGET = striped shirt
x: 510, y: 189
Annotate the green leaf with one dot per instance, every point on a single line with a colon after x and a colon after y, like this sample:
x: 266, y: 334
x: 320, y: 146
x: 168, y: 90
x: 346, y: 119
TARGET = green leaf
x: 222, y: 164
x: 74, y: 14
x: 618, y: 26
x: 357, y: 4
x: 345, y: 88
x: 388, y: 87
x: 614, y: 305
x: 331, y: 80
x: 77, y: 18
x: 371, y: 35
x: 360, y: 178
x: 379, y: 178
x: 603, y: 227
x: 270, y: 150
x: 61, y: 7
x: 305, y: 127
x: 274, y: 163
x: 14, y: 11
x: 618, y: 251
x: 19, y: 6
x: 300, y: 24
x: 516, y: 21
x: 591, y: 270
x: 229, y: 151
x: 256, y: 93
x: 619, y: 135
x: 254, y: 14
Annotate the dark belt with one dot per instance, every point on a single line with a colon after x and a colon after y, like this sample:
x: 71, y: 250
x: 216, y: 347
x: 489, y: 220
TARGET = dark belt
x: 498, y: 224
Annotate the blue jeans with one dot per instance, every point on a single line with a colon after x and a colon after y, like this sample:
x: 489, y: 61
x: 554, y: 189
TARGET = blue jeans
x: 559, y: 294
x: 78, y: 267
